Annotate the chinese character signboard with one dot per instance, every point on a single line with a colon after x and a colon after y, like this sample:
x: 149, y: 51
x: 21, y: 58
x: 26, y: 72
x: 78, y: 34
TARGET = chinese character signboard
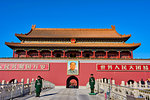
x: 73, y: 68
x: 24, y: 66
x: 123, y: 67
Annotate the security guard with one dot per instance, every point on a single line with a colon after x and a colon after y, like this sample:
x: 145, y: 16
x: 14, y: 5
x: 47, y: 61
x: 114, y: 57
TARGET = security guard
x: 38, y: 86
x: 92, y: 83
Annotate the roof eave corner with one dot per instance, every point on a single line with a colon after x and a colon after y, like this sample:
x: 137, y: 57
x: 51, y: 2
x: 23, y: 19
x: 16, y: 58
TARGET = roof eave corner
x: 33, y: 27
x: 128, y: 35
x: 113, y: 27
x: 19, y: 36
x: 136, y: 44
x: 139, y: 44
x: 7, y: 43
x: 16, y: 34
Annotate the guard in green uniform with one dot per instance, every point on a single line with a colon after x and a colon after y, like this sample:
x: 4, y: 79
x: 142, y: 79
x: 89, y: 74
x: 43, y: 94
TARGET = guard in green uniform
x: 92, y: 83
x: 38, y: 86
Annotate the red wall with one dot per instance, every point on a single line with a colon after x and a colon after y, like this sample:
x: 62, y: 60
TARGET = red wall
x: 58, y: 74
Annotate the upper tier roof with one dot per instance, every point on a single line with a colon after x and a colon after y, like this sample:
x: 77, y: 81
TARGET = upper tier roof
x: 72, y: 33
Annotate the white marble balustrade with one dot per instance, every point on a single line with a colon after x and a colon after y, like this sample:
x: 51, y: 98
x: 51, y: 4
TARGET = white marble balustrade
x: 120, y: 92
x: 16, y: 89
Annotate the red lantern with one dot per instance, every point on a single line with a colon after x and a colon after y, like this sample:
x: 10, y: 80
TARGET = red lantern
x: 73, y: 40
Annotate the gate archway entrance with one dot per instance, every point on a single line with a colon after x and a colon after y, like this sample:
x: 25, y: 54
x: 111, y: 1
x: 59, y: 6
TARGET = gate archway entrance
x: 72, y: 82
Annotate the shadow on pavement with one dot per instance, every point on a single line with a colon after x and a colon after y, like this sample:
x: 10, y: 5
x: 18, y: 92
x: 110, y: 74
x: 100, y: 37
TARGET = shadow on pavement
x: 83, y: 97
x: 48, y: 94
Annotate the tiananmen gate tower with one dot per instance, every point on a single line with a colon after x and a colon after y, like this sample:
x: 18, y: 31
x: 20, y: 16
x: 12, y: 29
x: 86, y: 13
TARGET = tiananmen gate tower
x: 53, y: 52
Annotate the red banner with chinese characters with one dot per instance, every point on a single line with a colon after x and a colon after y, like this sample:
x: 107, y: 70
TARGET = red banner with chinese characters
x: 24, y: 66
x: 123, y: 67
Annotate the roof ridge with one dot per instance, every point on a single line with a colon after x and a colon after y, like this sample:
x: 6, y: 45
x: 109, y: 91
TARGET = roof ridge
x: 75, y: 29
x: 109, y: 29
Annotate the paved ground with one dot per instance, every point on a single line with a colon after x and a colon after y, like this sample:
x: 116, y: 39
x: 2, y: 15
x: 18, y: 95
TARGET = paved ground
x: 65, y: 94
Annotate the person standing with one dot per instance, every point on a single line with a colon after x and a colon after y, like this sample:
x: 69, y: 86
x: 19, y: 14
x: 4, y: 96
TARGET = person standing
x: 92, y: 83
x: 38, y: 86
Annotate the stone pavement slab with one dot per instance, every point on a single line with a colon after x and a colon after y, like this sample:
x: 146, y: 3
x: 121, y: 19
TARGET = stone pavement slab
x: 65, y: 94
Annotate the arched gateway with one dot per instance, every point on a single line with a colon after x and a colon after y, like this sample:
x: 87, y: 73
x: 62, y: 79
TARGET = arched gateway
x: 72, y: 82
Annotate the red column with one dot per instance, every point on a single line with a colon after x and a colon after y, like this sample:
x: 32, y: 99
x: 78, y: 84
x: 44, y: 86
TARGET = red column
x: 106, y: 54
x: 93, y: 54
x: 64, y: 53
x: 13, y: 53
x: 39, y: 55
x: 119, y: 54
x: 81, y: 55
x: 51, y: 53
x: 131, y: 54
x: 26, y: 53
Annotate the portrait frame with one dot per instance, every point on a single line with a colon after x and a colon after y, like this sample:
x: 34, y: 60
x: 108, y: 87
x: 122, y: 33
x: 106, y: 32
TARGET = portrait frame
x: 74, y: 72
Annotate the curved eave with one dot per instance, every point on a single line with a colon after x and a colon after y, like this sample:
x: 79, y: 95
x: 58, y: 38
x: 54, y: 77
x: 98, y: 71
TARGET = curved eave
x: 25, y: 36
x: 92, y: 45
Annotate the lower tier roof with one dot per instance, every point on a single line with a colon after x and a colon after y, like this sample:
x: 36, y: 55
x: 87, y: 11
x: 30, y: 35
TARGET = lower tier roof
x: 81, y: 45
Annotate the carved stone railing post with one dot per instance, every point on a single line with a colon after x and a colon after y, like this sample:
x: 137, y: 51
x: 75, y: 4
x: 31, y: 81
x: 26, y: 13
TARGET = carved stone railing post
x: 122, y: 88
x: 3, y: 82
x: 130, y: 84
x: 12, y: 90
x: 97, y: 85
x: 136, y: 92
x: 22, y: 87
x: 122, y: 83
x: 32, y: 88
x: 28, y: 81
x: 127, y: 85
x: 105, y: 85
x: 113, y: 82
x: 102, y: 84
x: 146, y: 85
x: 7, y: 82
x: 140, y: 85
x: 135, y: 85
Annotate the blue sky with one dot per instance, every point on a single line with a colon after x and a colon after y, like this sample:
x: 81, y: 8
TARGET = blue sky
x: 129, y: 17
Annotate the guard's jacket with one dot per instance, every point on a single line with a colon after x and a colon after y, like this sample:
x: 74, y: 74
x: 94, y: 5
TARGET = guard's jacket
x: 92, y: 82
